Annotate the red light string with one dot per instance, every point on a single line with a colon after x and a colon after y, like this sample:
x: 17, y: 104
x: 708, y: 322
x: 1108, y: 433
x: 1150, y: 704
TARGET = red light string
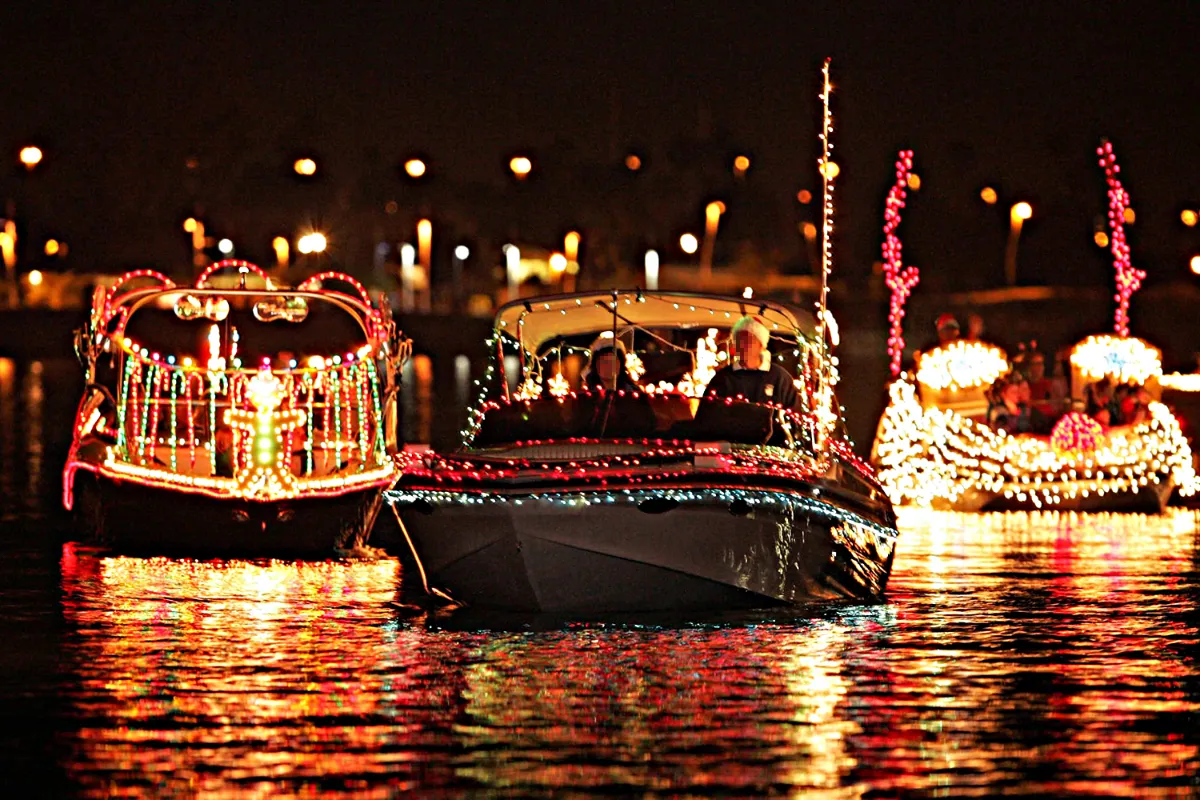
x: 1129, y: 278
x: 899, y: 279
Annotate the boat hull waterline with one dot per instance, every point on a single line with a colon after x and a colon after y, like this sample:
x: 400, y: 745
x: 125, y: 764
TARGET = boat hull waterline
x: 646, y: 550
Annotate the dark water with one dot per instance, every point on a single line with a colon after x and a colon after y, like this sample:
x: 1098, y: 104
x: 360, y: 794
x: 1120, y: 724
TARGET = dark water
x: 1018, y: 654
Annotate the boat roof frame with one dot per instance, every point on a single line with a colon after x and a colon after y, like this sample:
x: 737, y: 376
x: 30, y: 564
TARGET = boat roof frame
x: 513, y: 318
x: 135, y: 299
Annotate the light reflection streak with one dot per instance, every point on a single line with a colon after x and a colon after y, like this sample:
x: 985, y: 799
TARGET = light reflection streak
x: 33, y: 398
x: 1025, y: 653
x: 8, y: 439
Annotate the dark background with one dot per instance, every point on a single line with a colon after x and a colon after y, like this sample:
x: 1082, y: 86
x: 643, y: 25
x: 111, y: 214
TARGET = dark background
x: 1013, y: 95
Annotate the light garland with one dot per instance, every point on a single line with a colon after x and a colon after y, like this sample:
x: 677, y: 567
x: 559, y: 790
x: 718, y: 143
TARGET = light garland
x: 1125, y: 360
x: 1180, y: 382
x: 962, y: 365
x: 927, y: 456
x: 1129, y: 279
x: 899, y: 279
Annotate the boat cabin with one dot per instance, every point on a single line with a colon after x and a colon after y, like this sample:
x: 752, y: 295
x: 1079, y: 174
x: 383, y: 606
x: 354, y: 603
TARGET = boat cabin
x: 666, y: 348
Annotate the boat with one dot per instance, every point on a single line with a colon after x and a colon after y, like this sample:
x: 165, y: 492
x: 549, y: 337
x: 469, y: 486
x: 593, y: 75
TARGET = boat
x: 934, y: 446
x: 649, y: 497
x: 234, y: 415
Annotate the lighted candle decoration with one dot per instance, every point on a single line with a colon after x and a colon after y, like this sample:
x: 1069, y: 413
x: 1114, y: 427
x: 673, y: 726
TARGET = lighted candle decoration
x: 899, y: 279
x: 1129, y: 278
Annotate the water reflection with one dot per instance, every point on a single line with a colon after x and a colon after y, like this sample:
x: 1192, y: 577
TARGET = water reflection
x: 1024, y: 653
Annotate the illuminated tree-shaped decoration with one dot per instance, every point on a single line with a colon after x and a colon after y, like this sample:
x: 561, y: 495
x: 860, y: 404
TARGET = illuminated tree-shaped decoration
x: 263, y: 471
x: 900, y: 279
x: 1129, y: 278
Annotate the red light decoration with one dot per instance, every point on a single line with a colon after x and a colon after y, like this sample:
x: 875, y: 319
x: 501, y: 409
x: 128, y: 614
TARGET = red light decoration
x: 230, y: 263
x: 1077, y: 433
x: 1129, y: 278
x: 899, y: 279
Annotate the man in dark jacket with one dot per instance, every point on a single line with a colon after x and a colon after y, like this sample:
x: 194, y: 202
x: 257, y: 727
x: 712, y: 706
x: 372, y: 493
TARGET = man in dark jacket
x: 752, y: 376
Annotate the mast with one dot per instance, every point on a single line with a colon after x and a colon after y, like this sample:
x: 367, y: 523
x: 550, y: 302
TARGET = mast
x: 826, y: 369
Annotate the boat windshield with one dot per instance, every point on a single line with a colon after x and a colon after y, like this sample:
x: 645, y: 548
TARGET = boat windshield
x: 568, y: 391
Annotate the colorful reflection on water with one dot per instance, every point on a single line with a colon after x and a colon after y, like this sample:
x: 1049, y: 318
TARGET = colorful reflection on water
x: 1017, y: 653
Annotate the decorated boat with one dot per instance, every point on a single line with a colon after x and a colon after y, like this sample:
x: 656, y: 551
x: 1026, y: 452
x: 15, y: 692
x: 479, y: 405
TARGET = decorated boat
x: 572, y: 496
x: 934, y: 446
x: 234, y: 415
x: 598, y: 473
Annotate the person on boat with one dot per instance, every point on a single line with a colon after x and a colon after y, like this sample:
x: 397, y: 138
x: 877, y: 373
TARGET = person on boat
x: 1008, y: 412
x: 1042, y: 395
x: 975, y: 328
x: 1102, y: 406
x: 947, y: 332
x: 751, y: 375
x: 1135, y: 407
x: 606, y: 369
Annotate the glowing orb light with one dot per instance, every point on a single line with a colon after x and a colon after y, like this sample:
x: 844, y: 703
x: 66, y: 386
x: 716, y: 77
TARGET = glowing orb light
x: 1125, y: 360
x: 962, y: 365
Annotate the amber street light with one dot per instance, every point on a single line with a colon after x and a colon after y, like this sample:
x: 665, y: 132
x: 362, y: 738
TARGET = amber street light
x: 31, y: 156
x: 1189, y: 217
x: 415, y: 167
x: 688, y: 243
x: 521, y: 166
x: 740, y: 165
x: 1016, y: 216
x: 305, y: 166
x: 314, y: 242
x: 712, y: 218
x: 988, y: 195
x: 1195, y: 264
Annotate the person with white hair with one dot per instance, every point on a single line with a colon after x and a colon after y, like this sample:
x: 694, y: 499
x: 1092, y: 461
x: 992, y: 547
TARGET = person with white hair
x: 751, y: 376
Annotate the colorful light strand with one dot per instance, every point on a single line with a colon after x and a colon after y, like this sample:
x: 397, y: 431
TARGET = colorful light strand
x: 1129, y: 278
x: 899, y: 279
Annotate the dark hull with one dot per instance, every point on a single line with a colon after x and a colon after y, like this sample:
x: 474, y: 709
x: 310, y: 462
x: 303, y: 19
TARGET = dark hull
x: 645, y: 551
x: 136, y: 519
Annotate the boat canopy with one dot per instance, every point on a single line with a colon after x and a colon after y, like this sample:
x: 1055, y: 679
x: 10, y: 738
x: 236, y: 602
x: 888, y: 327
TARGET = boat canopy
x: 536, y: 320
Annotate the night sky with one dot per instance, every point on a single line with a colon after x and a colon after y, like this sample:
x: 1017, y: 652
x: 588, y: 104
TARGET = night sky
x: 1014, y: 95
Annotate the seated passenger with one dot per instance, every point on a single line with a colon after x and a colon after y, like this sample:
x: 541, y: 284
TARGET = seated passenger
x: 1135, y: 406
x: 606, y: 370
x: 751, y: 375
x: 1101, y: 406
x: 1008, y: 412
x: 1042, y: 390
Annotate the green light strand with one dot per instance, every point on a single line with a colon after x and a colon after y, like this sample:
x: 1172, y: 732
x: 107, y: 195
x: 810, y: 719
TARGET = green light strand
x: 308, y: 441
x: 378, y: 447
x: 149, y: 391
x: 174, y: 437
x: 360, y: 395
x: 122, y: 442
x: 337, y: 417
x: 212, y: 420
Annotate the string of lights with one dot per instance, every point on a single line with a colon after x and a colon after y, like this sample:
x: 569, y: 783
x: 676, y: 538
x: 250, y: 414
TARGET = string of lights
x: 899, y: 279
